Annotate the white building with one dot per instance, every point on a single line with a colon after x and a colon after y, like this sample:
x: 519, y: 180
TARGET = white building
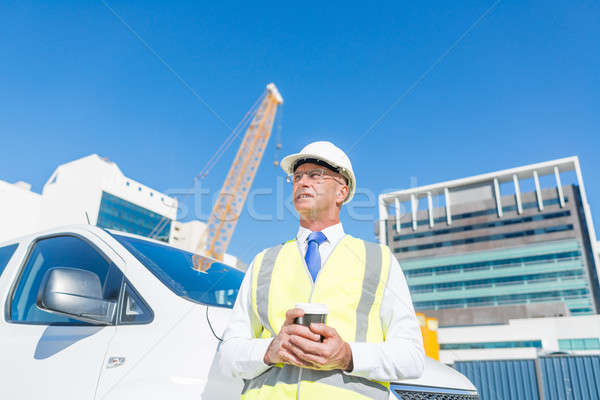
x: 93, y: 190
x: 521, y: 339
x: 19, y: 209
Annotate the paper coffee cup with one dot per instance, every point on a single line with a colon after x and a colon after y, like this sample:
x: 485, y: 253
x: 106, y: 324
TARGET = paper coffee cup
x: 313, y: 312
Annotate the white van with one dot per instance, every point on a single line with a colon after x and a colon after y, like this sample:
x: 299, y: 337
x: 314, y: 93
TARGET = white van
x: 97, y: 314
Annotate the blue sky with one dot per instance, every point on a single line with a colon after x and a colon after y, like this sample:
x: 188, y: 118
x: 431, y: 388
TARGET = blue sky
x: 521, y: 86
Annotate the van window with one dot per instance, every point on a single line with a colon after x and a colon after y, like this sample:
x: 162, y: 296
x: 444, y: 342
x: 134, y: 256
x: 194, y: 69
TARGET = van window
x: 218, y: 286
x: 6, y: 253
x: 134, y: 310
x: 59, y: 251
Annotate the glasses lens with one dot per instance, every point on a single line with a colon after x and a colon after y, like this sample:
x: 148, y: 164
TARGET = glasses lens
x: 313, y: 174
x: 316, y: 174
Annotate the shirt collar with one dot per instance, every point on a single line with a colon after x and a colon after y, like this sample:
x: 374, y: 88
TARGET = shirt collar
x: 333, y: 233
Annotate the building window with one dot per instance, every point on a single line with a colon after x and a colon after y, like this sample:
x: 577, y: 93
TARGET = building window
x: 486, y: 225
x: 494, y: 264
x: 121, y: 215
x: 491, y: 345
x: 581, y: 311
x: 518, y: 298
x: 579, y: 344
x: 499, y: 281
x: 500, y: 236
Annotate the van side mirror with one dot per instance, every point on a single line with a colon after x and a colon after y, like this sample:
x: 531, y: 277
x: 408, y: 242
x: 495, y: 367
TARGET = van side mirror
x: 75, y: 293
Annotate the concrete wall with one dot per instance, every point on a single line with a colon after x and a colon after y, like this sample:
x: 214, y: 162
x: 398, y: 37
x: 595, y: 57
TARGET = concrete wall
x: 497, y: 314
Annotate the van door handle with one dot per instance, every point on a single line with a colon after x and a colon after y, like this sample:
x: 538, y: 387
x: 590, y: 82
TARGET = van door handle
x: 115, y: 362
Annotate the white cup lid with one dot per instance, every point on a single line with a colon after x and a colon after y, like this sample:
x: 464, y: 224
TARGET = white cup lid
x: 313, y: 308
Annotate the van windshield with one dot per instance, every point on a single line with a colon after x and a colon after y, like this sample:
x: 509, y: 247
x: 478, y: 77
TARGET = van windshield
x: 218, y: 286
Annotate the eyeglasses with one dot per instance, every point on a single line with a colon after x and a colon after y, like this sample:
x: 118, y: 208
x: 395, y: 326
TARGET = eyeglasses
x: 316, y: 175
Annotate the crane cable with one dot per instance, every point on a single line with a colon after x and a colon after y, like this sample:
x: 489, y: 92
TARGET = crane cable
x: 278, y: 145
x: 216, y: 156
x: 229, y: 140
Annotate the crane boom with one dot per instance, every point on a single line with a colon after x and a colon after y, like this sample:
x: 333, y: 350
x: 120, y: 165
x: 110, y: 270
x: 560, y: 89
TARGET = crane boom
x: 228, y: 207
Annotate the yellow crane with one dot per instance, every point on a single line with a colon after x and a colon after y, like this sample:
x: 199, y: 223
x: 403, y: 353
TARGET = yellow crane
x: 228, y: 207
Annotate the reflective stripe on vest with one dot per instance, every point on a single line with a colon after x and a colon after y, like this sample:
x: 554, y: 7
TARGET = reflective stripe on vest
x: 351, y: 283
x: 282, y: 383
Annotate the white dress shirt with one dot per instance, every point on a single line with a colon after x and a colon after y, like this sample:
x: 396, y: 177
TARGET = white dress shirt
x: 400, y: 356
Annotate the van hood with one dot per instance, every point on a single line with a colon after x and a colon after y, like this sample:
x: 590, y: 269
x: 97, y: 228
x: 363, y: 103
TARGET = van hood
x: 439, y: 375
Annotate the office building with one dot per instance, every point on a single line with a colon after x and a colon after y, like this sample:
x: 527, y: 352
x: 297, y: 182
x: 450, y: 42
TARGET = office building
x: 496, y: 247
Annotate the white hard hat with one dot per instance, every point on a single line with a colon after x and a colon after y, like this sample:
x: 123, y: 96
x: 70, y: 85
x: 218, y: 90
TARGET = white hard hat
x: 328, y: 153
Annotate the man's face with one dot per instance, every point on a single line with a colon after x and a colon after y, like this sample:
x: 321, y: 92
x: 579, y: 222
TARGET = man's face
x: 314, y: 196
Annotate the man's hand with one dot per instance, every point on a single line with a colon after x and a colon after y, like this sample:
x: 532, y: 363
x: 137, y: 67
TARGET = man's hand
x: 333, y: 353
x: 279, y: 349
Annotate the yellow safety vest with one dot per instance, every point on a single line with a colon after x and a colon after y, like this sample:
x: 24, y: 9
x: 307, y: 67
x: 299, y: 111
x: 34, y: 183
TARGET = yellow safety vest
x: 351, y: 283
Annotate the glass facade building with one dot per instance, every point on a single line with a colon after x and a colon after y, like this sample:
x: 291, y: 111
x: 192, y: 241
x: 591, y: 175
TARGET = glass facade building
x: 547, y: 272
x: 118, y: 214
x: 484, y: 258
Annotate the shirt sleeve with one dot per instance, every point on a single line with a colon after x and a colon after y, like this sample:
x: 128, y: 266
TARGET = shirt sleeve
x: 242, y: 354
x: 401, y: 354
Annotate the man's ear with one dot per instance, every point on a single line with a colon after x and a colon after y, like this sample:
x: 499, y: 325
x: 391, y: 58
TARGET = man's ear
x: 342, y: 193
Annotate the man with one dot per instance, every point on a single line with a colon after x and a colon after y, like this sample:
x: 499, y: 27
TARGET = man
x: 371, y: 336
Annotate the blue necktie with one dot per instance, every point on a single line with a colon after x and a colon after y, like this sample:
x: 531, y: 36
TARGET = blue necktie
x: 313, y: 258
